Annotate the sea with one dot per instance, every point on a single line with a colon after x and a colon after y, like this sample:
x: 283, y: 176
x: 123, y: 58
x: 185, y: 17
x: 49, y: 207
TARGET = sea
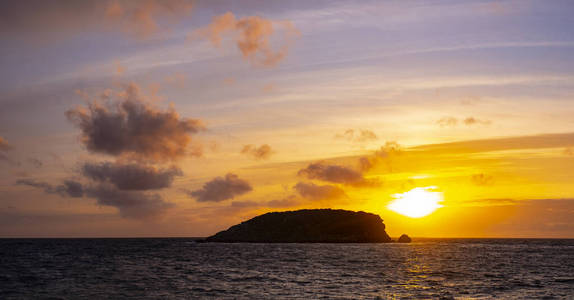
x: 180, y: 268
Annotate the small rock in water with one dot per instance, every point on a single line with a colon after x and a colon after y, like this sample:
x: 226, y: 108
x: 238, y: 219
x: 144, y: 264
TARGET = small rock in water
x: 404, y: 239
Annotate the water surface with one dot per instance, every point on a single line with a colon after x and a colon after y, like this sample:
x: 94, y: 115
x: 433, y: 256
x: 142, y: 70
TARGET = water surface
x: 182, y: 268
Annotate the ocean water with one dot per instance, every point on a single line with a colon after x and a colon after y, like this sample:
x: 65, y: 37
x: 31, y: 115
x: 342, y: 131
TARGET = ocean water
x: 185, y: 269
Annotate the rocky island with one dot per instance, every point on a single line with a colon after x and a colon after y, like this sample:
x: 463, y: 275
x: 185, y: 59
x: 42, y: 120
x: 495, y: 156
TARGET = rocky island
x: 404, y: 239
x: 308, y: 226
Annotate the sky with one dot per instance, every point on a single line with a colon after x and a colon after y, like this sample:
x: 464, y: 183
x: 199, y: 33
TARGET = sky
x: 182, y: 118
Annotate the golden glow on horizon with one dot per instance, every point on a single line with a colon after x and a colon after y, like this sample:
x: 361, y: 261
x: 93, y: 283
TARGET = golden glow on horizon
x: 416, y: 203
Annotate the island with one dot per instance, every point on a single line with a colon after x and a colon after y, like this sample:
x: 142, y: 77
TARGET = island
x: 307, y: 226
x: 404, y: 239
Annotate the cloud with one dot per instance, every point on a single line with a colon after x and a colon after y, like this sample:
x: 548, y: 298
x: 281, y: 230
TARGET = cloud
x: 252, y: 36
x: 331, y: 173
x: 134, y: 205
x: 288, y: 201
x: 319, y: 192
x: 269, y: 88
x: 568, y: 151
x: 132, y: 128
x: 385, y: 154
x: 68, y: 188
x: 474, y: 121
x: 360, y: 135
x: 131, y: 176
x: 177, y: 80
x: 553, y: 140
x: 453, y: 122
x: 221, y: 188
x: 4, y: 146
x: 482, y: 179
x: 229, y: 81
x: 35, y: 162
x: 336, y: 174
x: 119, y: 69
x: 258, y: 153
x: 447, y: 122
x: 139, y: 19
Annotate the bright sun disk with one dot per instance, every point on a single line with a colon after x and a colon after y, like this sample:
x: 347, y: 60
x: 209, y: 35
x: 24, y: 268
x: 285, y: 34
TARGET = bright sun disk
x: 416, y: 203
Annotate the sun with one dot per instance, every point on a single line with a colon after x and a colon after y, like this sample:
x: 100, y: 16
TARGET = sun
x: 416, y: 203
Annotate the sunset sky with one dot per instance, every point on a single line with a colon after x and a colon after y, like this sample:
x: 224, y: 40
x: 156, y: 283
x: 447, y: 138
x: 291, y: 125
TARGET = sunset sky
x: 178, y: 118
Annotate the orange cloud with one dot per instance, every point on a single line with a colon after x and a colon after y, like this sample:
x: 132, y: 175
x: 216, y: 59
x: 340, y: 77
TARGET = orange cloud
x: 252, y: 36
x: 4, y: 146
x: 120, y: 70
x: 386, y: 153
x: 258, y: 153
x: 140, y: 18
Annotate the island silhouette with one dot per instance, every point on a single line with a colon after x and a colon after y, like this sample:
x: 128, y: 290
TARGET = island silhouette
x: 307, y: 226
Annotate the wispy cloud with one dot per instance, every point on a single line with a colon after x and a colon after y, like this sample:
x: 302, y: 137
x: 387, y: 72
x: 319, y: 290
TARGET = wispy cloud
x: 68, y: 188
x: 359, y: 135
x: 469, y: 121
x: 498, y: 144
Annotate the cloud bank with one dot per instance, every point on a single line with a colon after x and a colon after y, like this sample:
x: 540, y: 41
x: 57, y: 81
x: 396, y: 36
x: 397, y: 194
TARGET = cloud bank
x: 131, y: 176
x: 135, y: 205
